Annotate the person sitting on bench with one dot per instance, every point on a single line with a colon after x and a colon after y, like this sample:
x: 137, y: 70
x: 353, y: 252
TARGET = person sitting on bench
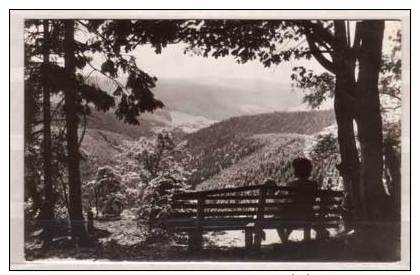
x: 302, y: 169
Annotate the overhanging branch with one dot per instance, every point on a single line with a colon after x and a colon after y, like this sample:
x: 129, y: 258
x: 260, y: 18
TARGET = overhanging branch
x: 323, y: 35
x: 317, y: 53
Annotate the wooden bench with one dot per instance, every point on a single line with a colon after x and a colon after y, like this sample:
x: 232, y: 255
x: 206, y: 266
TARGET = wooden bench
x: 253, y: 209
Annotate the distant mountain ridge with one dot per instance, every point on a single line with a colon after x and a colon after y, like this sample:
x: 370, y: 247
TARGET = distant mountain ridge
x: 219, y: 99
x: 222, y: 100
x: 302, y: 122
x: 149, y: 123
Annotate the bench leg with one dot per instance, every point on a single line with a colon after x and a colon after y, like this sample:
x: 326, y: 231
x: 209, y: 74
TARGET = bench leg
x: 195, y: 239
x: 258, y: 238
x: 321, y: 233
x: 248, y: 237
x: 307, y: 233
x: 283, y: 234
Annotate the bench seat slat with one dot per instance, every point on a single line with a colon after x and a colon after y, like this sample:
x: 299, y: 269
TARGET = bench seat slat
x: 284, y: 204
x: 226, y: 225
x: 233, y: 197
x: 252, y: 188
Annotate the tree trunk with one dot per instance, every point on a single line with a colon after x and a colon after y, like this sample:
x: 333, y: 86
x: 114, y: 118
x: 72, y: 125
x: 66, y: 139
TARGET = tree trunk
x: 72, y: 121
x: 376, y: 229
x: 47, y: 210
x: 344, y: 104
x: 32, y: 174
x: 350, y: 164
x: 369, y: 118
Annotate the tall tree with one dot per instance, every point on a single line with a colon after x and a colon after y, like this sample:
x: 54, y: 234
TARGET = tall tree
x: 47, y: 210
x: 369, y: 122
x: 33, y: 108
x: 368, y: 117
x: 342, y: 64
x: 72, y: 123
x: 40, y: 171
x: 134, y: 97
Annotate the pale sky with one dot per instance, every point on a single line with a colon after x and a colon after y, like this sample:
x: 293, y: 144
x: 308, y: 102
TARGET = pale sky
x: 173, y: 63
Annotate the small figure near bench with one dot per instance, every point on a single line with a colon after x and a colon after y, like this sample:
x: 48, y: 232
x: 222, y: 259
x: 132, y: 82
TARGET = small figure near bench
x: 302, y: 169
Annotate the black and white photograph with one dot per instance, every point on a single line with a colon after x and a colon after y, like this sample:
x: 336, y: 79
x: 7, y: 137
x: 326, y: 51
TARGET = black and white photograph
x: 215, y: 137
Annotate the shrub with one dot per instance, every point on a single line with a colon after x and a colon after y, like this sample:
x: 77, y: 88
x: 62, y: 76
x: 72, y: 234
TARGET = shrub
x: 105, y: 193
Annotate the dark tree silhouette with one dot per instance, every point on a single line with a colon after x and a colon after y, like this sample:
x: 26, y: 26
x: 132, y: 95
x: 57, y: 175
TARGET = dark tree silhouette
x: 72, y: 120
x: 134, y: 97
x: 47, y: 210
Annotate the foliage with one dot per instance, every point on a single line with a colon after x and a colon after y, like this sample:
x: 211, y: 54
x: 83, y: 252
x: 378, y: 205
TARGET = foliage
x: 154, y: 160
x: 390, y: 81
x: 143, y: 176
x: 392, y: 133
x: 268, y: 41
x: 156, y: 200
x: 105, y: 193
x: 165, y: 177
x: 115, y: 39
x: 392, y: 160
x: 320, y: 87
x: 317, y: 87
x: 325, y: 156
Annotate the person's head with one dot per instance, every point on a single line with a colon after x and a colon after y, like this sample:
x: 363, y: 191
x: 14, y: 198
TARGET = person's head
x: 302, y: 167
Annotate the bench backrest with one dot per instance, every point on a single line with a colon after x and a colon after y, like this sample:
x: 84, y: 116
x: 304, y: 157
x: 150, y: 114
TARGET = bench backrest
x: 263, y: 203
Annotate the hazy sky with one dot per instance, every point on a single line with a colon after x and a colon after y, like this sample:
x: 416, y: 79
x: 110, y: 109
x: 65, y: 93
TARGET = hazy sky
x: 173, y: 63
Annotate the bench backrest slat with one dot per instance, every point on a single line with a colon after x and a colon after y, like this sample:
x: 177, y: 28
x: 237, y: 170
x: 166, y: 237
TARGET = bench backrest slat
x: 261, y: 203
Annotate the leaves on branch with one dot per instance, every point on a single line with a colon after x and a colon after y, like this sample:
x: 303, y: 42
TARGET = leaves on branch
x: 317, y: 87
x: 101, y: 99
x: 108, y: 67
x: 264, y: 40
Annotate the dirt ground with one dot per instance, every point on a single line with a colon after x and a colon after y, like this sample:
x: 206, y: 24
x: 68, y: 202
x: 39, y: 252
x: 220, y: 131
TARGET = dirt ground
x: 124, y: 240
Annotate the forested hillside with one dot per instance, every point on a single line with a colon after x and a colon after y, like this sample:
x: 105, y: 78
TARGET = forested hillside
x: 246, y: 150
x: 306, y: 123
x: 271, y: 160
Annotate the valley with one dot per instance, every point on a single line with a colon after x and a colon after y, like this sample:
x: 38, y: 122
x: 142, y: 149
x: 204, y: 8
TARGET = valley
x: 242, y: 150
